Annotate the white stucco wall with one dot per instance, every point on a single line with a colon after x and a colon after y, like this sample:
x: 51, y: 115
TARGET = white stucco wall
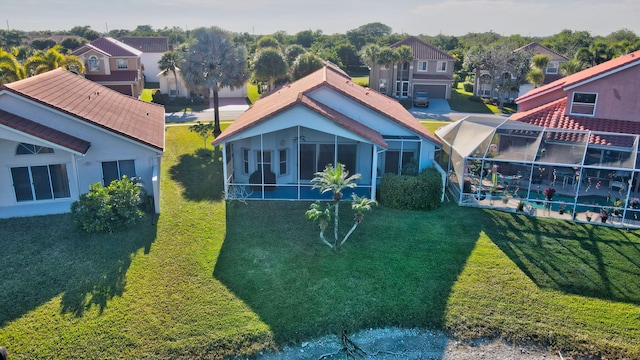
x: 82, y: 170
x: 151, y: 68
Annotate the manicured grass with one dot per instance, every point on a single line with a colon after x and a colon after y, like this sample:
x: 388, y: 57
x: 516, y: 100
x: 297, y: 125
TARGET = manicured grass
x: 361, y: 80
x: 211, y: 280
x: 252, y: 93
x: 462, y: 101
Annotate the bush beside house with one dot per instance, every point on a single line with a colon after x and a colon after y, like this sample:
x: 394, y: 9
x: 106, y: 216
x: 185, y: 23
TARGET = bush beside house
x: 422, y: 192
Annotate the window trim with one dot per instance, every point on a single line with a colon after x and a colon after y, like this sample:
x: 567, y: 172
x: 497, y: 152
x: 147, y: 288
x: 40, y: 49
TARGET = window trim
x: 439, y: 68
x: 555, y: 67
x: 37, y: 149
x: 573, y: 102
x: 118, y: 165
x: 93, y: 63
x: 119, y: 61
x: 426, y: 66
x: 52, y: 191
x: 284, y: 161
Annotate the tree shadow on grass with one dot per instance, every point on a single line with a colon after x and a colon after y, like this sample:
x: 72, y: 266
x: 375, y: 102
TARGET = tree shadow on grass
x: 393, y: 271
x: 200, y: 174
x: 582, y: 259
x: 46, y: 256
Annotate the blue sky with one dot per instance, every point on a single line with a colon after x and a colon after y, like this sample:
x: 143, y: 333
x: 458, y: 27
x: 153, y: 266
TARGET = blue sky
x: 429, y: 17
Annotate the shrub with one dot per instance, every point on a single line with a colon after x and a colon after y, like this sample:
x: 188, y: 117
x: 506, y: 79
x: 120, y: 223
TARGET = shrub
x: 422, y: 192
x: 467, y: 86
x: 109, y: 208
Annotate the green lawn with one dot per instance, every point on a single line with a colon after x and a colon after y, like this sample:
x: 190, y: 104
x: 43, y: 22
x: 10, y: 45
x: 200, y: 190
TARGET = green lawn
x: 210, y: 280
x: 462, y: 101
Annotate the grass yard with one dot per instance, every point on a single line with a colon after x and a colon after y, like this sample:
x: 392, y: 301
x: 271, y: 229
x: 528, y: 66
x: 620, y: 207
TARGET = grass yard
x: 211, y: 280
x: 461, y: 101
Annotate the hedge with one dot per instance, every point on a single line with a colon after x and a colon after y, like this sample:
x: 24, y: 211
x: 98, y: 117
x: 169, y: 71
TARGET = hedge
x: 422, y: 192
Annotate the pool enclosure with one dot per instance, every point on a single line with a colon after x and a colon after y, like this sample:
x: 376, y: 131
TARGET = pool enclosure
x: 574, y: 174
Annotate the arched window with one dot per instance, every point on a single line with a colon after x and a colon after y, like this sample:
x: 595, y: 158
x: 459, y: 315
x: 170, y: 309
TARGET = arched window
x: 31, y: 149
x: 93, y: 63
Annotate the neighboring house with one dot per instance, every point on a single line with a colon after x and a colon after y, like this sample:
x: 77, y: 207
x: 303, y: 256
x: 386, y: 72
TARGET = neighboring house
x: 168, y: 86
x: 431, y: 70
x: 152, y: 48
x: 274, y: 149
x: 60, y: 133
x: 579, y: 135
x: 113, y: 64
x: 485, y: 81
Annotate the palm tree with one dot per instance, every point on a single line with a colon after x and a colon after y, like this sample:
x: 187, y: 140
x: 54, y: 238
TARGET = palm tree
x: 269, y: 65
x: 212, y: 62
x: 304, y: 65
x: 169, y: 62
x: 535, y: 77
x: 10, y: 68
x: 404, y: 56
x: 540, y: 62
x: 370, y: 54
x: 388, y: 57
x: 334, y: 180
x: 570, y: 67
x: 42, y: 61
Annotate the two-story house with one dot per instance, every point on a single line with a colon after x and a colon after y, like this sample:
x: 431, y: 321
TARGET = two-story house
x: 578, y: 135
x: 485, y: 84
x: 114, y: 64
x: 431, y: 70
x: 152, y: 48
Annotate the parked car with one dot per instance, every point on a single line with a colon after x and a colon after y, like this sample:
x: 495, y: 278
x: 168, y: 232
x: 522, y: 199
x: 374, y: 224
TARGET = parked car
x: 421, y: 98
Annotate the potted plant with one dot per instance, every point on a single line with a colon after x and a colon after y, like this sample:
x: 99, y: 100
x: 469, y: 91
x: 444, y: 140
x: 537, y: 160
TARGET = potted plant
x: 562, y: 208
x: 521, y: 205
x: 505, y: 197
x: 588, y: 215
x: 549, y: 192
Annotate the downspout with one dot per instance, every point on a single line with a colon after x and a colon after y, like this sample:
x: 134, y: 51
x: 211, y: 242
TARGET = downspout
x: 225, y: 171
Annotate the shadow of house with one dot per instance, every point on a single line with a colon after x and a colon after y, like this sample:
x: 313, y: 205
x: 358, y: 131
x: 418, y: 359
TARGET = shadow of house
x: 54, y: 258
x: 585, y: 263
x: 300, y: 289
x: 200, y: 174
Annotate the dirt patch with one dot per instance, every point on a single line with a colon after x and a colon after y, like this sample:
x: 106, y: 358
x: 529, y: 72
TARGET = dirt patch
x: 394, y: 343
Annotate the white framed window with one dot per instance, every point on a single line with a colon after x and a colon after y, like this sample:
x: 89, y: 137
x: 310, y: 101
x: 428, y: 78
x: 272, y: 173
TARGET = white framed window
x: 442, y: 66
x: 423, y: 66
x: 114, y: 170
x: 245, y: 161
x: 93, y: 63
x: 282, y: 158
x: 122, y: 64
x: 552, y: 67
x: 42, y: 182
x: 263, y: 159
x: 583, y: 103
x: 31, y: 149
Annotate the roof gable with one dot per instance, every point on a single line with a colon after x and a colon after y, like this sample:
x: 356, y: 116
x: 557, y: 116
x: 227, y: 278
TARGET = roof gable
x: 109, y: 46
x: 94, y: 104
x: 296, y: 93
x: 422, y: 50
x: 593, y: 73
x: 534, y: 48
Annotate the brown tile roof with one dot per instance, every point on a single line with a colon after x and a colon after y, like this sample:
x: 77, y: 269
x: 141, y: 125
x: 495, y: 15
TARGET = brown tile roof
x: 422, y: 50
x: 120, y: 75
x: 295, y: 94
x: 552, y: 115
x: 534, y: 48
x: 586, y: 75
x: 43, y: 132
x: 147, y: 44
x: 95, y: 104
x: 110, y: 46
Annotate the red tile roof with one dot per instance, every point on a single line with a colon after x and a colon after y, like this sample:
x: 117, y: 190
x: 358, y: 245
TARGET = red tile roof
x: 110, y: 46
x: 43, y: 132
x: 552, y: 115
x: 296, y: 94
x: 586, y: 75
x: 422, y: 50
x: 95, y: 104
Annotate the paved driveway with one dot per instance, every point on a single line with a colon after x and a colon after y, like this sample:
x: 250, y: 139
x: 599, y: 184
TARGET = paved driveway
x: 438, y: 109
x: 230, y: 109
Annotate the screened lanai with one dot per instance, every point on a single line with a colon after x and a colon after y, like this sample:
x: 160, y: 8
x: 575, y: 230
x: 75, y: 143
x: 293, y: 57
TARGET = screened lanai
x: 501, y: 163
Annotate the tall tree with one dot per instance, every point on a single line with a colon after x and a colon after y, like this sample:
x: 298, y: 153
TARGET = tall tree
x: 404, y: 56
x: 169, y: 62
x: 571, y: 67
x: 304, y: 65
x: 212, y: 61
x: 43, y: 61
x: 267, y: 42
x: 539, y: 65
x: 388, y: 57
x: 292, y: 52
x: 269, y: 65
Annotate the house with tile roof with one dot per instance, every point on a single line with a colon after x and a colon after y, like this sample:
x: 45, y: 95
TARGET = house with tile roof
x: 114, y: 64
x: 60, y: 133
x: 431, y: 70
x: 485, y: 84
x: 152, y: 48
x: 578, y: 135
x: 273, y: 150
